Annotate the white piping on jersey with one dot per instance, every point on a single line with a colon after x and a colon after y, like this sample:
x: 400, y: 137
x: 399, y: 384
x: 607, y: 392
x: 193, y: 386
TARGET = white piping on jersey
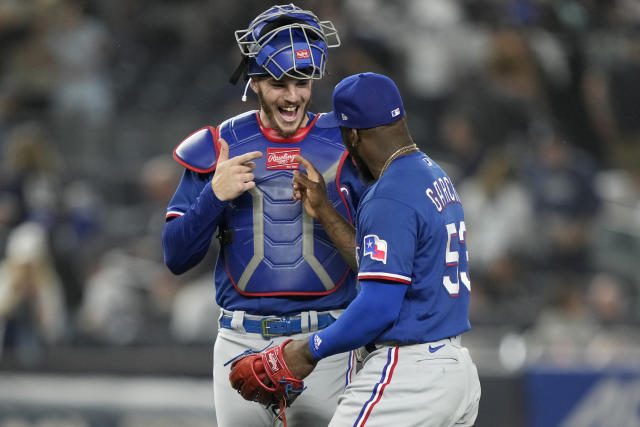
x: 170, y: 213
x: 390, y: 276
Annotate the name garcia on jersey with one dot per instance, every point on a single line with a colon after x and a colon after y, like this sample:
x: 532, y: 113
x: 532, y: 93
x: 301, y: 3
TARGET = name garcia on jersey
x: 442, y: 193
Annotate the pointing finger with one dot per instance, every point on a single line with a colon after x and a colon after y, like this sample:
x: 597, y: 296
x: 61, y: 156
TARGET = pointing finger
x: 301, y: 180
x: 311, y: 170
x: 247, y: 157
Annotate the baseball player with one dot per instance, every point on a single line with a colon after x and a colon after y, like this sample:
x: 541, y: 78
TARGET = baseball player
x: 277, y: 275
x: 414, y: 287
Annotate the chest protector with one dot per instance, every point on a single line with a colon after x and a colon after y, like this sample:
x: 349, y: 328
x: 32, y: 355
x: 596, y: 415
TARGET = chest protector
x: 275, y: 248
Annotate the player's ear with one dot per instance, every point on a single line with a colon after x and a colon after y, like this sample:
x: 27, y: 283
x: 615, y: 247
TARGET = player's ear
x: 253, y: 83
x: 355, y: 137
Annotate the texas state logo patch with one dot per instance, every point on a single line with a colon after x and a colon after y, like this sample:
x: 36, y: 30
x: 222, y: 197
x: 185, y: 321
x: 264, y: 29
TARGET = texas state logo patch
x: 375, y: 247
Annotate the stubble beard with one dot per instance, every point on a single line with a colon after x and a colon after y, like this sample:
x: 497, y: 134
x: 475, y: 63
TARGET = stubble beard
x: 271, y: 114
x: 363, y: 170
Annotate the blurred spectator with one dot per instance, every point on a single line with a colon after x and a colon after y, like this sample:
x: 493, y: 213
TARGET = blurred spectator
x: 79, y: 235
x: 32, y: 308
x: 585, y: 324
x: 564, y: 328
x: 458, y: 143
x: 130, y: 286
x: 194, y: 313
x: 157, y: 181
x: 610, y: 303
x: 497, y: 105
x: 27, y: 80
x: 561, y: 179
x: 499, y: 214
x: 495, y: 198
x: 617, y: 241
x: 30, y: 173
x: 80, y: 47
x: 119, y: 307
x: 83, y: 101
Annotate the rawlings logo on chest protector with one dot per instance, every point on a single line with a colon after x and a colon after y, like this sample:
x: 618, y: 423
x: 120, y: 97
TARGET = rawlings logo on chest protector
x: 282, y: 158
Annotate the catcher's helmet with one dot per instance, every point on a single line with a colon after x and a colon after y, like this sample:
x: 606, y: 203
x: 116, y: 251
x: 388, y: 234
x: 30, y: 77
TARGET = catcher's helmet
x: 286, y: 41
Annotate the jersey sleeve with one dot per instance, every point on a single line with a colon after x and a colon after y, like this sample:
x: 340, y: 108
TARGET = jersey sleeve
x: 386, y: 239
x: 188, y: 190
x: 192, y: 218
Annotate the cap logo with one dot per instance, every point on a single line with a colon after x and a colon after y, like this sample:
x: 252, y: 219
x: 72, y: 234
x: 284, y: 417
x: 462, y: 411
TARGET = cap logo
x: 302, y: 54
x: 396, y: 112
x: 344, y: 116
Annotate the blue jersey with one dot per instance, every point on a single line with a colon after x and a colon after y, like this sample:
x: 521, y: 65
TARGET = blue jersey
x: 274, y: 258
x: 411, y: 231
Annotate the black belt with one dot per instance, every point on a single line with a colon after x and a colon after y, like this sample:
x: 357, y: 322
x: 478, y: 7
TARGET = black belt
x: 276, y: 326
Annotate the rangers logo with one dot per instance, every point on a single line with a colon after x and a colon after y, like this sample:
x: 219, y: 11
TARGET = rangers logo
x: 375, y: 247
x: 273, y: 362
x: 282, y: 158
x: 302, y: 54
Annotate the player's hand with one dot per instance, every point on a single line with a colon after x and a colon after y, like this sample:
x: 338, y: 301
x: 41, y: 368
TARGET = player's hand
x: 265, y: 377
x: 310, y: 189
x: 233, y: 176
x: 299, y: 359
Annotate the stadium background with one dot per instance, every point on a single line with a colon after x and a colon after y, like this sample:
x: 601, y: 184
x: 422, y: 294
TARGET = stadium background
x: 531, y: 105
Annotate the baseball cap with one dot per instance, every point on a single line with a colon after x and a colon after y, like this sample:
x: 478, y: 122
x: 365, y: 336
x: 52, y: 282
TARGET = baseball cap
x: 363, y: 101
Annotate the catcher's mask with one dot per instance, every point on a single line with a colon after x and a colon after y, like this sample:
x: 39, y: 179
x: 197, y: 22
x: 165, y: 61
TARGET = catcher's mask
x: 285, y: 41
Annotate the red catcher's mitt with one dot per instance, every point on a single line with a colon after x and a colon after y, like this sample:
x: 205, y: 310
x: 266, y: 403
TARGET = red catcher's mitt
x: 265, y: 377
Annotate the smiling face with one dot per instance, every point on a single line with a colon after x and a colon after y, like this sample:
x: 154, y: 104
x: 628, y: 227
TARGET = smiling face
x: 283, y: 103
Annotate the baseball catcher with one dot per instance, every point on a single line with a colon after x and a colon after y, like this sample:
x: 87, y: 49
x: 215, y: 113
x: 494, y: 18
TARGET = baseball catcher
x: 277, y: 275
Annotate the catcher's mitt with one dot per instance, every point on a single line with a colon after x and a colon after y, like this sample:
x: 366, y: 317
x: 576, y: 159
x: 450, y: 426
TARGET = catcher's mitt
x: 265, y: 377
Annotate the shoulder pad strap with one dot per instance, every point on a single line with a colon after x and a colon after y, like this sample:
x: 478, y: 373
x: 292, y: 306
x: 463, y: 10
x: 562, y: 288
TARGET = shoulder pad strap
x: 199, y: 151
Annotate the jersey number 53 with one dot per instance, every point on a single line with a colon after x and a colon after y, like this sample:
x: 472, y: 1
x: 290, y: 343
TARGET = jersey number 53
x: 456, y: 260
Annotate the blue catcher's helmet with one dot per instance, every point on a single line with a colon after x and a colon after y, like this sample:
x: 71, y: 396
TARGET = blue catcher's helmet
x: 286, y: 41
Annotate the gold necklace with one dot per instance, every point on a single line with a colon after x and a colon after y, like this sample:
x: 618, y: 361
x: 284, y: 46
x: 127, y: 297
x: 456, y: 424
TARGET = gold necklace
x: 399, y: 152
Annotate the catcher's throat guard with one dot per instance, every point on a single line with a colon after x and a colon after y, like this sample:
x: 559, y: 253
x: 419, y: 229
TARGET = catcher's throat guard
x: 285, y: 41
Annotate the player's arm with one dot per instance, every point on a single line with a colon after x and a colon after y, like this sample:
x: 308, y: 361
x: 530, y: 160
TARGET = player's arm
x: 191, y: 223
x: 312, y: 191
x: 374, y: 309
x: 384, y: 273
x: 186, y: 238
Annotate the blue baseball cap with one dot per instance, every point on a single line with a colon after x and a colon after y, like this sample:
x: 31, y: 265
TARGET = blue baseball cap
x: 363, y: 101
